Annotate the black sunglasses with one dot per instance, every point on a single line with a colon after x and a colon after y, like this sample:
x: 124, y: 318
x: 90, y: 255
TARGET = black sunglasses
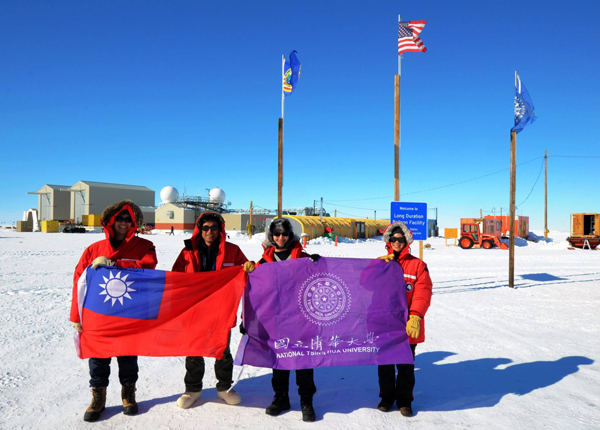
x: 283, y: 233
x: 398, y: 239
x: 123, y: 219
x: 211, y: 228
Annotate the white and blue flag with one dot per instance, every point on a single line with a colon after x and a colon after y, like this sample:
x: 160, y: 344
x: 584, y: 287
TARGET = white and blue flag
x: 523, y: 106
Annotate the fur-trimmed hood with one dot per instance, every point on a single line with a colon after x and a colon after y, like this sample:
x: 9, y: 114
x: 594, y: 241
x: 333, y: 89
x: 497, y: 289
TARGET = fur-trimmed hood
x: 270, y: 242
x: 110, y: 213
x: 405, y: 231
x: 280, y: 223
x: 197, y: 233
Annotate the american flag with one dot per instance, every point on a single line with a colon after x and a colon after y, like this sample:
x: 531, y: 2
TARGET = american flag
x: 408, y: 37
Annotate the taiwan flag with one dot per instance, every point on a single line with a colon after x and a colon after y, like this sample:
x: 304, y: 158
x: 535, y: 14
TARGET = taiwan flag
x: 155, y: 313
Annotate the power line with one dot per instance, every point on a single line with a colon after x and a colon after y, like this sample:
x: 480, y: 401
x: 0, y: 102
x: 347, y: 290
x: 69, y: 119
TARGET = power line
x: 332, y: 202
x: 534, y: 184
x: 335, y: 204
x: 430, y: 189
x: 350, y: 215
x: 573, y: 156
x: 470, y: 180
x: 353, y: 207
x: 369, y: 198
x: 526, y: 198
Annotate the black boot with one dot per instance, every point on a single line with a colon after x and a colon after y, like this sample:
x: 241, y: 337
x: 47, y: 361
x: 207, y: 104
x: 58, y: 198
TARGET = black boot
x: 308, y: 412
x: 281, y: 402
x: 385, y: 405
x: 93, y: 411
x: 130, y: 406
x: 406, y: 411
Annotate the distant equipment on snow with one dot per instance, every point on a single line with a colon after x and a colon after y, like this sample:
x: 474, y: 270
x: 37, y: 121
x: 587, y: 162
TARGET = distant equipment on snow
x: 169, y: 194
x: 585, y: 230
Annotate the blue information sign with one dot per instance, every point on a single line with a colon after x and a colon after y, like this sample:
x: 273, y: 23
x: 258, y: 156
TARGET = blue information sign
x: 414, y: 215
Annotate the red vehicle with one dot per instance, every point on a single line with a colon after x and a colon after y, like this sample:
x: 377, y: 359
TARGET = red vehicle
x: 470, y: 237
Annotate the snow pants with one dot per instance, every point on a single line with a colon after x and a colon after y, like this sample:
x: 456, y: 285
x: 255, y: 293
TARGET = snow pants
x: 398, y: 388
x: 100, y: 370
x: 304, y: 379
x: 195, y: 367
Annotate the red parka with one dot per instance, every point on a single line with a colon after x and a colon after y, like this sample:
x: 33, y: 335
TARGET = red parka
x: 417, y: 282
x: 190, y: 260
x: 296, y: 252
x: 133, y: 252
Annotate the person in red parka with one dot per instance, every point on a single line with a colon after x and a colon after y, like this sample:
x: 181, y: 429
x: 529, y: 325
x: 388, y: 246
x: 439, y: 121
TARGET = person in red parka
x: 206, y: 251
x: 281, y: 244
x: 418, y: 285
x: 121, y: 248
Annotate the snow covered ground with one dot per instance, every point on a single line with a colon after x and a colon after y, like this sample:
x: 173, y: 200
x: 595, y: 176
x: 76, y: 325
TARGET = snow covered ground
x: 495, y: 357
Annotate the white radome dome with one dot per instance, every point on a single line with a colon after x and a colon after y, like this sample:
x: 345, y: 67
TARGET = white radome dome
x: 169, y: 194
x: 216, y: 195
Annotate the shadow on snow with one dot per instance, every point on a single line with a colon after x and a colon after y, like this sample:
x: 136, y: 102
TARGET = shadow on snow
x: 440, y: 387
x: 478, y: 383
x: 527, y: 281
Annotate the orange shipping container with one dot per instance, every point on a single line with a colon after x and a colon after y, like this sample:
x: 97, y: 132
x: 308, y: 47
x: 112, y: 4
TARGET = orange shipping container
x: 585, y: 224
x: 521, y: 225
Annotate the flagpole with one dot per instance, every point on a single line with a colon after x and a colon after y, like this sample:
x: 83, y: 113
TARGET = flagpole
x: 282, y: 77
x: 397, y: 129
x: 546, y: 194
x: 280, y: 146
x: 513, y: 188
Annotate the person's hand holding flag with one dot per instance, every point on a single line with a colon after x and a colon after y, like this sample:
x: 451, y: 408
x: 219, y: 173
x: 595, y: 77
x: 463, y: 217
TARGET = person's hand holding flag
x: 102, y: 261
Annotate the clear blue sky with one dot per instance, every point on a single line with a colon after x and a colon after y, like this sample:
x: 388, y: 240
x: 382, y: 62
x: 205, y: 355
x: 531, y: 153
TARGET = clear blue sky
x: 188, y: 93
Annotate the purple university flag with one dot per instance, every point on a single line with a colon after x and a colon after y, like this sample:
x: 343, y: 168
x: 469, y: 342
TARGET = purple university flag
x: 300, y: 314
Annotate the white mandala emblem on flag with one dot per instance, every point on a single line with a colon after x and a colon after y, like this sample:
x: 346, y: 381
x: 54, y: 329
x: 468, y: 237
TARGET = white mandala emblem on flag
x: 115, y: 288
x: 324, y: 299
x: 519, y: 109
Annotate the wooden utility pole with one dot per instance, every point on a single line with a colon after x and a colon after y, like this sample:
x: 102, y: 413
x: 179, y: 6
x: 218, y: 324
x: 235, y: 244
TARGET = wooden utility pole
x: 513, y: 189
x: 397, y: 129
x: 250, y: 224
x: 321, y: 211
x: 397, y: 137
x: 546, y: 194
x: 280, y: 169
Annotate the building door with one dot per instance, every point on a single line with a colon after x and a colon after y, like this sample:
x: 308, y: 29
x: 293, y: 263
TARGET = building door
x: 360, y: 230
x: 46, y: 208
x: 79, y: 209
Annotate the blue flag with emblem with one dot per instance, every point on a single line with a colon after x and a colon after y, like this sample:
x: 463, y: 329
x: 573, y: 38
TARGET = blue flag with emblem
x: 523, y: 106
x: 291, y: 74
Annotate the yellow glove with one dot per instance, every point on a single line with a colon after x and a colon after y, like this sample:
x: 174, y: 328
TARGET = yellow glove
x: 102, y: 261
x: 413, y: 326
x: 249, y: 266
x: 387, y: 258
x: 77, y: 326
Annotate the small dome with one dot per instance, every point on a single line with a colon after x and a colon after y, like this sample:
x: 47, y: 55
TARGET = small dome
x: 216, y: 195
x: 169, y: 194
